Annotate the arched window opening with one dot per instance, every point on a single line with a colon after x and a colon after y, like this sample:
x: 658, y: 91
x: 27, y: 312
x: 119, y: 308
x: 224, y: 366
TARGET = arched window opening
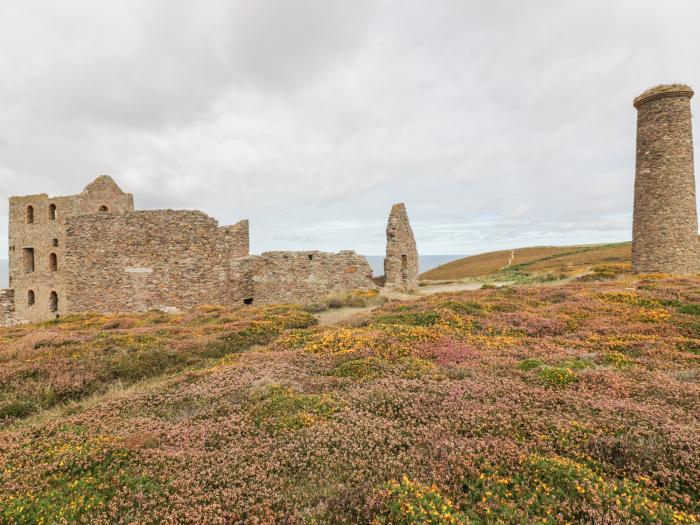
x: 30, y: 297
x: 53, y: 262
x: 53, y: 302
x: 104, y: 209
x: 30, y: 214
x: 52, y: 212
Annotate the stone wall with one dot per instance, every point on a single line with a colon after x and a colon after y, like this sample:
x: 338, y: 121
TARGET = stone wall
x: 304, y: 277
x: 401, y: 262
x: 8, y: 316
x: 665, y: 231
x: 141, y: 260
x: 37, y: 225
x: 93, y: 252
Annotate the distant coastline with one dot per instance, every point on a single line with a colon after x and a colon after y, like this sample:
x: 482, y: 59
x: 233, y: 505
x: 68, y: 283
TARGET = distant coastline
x: 426, y: 262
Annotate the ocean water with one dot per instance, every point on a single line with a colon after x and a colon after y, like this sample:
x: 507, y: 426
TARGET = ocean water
x: 425, y: 263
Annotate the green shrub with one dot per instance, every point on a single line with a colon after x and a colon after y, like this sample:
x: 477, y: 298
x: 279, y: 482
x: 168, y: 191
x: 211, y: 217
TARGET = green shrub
x: 278, y: 408
x: 16, y: 409
x: 84, y: 480
x: 411, y: 319
x: 530, y: 364
x: 467, y: 308
x: 557, y: 376
x: 412, y: 503
x: 617, y: 359
x: 684, y: 308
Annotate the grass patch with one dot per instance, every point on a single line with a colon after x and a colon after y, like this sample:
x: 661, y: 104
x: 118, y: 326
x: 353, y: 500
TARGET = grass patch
x: 557, y: 376
x: 530, y: 364
x: 684, y: 308
x: 278, y: 408
x: 411, y: 319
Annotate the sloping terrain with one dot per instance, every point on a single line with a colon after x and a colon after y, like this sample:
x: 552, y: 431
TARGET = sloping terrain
x: 563, y: 260
x: 572, y: 403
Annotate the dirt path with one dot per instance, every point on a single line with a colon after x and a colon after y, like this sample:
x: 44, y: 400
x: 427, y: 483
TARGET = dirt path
x: 338, y: 315
x: 510, y: 260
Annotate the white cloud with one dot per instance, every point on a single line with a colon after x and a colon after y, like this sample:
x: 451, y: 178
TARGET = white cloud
x: 499, y: 123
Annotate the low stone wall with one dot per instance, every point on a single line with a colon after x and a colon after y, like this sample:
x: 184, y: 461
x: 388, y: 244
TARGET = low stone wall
x: 8, y: 316
x: 304, y: 277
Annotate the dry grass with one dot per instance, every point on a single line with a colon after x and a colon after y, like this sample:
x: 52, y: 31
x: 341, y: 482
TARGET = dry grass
x: 540, y: 259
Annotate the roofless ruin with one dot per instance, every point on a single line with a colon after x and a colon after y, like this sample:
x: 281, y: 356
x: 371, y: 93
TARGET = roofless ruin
x: 95, y: 252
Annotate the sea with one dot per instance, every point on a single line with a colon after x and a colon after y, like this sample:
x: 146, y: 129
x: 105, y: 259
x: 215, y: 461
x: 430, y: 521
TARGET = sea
x: 425, y: 263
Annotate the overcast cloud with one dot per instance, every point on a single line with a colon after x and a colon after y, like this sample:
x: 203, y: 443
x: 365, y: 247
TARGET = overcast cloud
x: 499, y: 123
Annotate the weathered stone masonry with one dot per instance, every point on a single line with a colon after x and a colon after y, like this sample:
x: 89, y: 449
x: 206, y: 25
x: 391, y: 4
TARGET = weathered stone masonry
x: 94, y: 252
x: 7, y: 308
x: 401, y: 261
x: 161, y: 259
x: 37, y: 244
x: 665, y: 230
x: 290, y: 277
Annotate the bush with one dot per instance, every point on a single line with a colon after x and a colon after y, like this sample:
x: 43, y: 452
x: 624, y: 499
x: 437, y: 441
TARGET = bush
x: 530, y: 364
x: 16, y: 409
x: 557, y: 376
x: 278, y: 408
x: 411, y: 503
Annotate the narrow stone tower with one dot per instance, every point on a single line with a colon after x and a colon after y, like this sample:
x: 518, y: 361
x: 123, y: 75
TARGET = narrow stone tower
x: 665, y: 225
x: 401, y: 262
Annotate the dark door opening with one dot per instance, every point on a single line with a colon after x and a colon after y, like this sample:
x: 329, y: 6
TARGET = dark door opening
x: 28, y: 259
x: 53, y: 302
x: 404, y: 269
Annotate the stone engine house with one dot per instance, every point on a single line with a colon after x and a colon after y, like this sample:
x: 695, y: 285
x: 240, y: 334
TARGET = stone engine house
x: 94, y: 252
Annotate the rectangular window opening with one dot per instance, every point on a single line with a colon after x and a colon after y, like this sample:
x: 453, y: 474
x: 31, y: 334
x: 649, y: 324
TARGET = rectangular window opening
x: 28, y: 259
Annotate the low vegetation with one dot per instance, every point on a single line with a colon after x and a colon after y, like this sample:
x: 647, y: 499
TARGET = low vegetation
x: 72, y: 358
x: 538, y: 264
x: 554, y: 404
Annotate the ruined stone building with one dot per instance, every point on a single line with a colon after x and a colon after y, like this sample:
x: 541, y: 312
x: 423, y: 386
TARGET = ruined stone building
x: 94, y: 252
x: 665, y: 225
x: 401, y: 262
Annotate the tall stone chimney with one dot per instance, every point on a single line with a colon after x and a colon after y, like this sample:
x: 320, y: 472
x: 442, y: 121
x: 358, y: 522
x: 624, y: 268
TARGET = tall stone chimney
x: 665, y: 225
x: 401, y: 262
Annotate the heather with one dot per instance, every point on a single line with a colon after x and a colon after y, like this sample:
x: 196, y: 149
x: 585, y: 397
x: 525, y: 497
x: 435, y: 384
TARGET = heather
x: 551, y: 404
x: 71, y: 358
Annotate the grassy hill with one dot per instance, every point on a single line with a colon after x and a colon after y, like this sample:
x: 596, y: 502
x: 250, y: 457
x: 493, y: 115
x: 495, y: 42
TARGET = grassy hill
x: 559, y: 260
x: 572, y: 403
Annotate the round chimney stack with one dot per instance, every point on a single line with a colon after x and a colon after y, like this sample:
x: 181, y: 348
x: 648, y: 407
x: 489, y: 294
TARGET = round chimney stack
x: 665, y: 223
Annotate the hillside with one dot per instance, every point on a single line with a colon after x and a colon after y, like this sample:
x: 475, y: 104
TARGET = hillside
x: 551, y: 404
x: 559, y: 260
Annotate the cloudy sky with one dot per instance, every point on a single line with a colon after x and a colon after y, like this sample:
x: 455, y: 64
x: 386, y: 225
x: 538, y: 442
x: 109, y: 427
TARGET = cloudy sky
x: 500, y: 123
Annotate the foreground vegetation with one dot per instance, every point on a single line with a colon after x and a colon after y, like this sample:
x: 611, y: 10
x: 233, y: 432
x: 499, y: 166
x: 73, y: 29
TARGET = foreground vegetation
x: 574, y: 403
